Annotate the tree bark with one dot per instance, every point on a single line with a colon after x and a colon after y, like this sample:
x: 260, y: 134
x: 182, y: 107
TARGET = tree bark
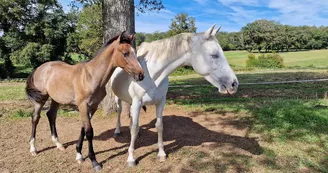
x: 118, y: 16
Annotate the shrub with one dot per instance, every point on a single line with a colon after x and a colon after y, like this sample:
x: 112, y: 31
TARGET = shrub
x: 33, y: 54
x: 272, y: 60
x: 251, y: 61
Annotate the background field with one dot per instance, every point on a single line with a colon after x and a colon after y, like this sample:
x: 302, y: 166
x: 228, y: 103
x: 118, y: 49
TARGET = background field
x: 310, y: 59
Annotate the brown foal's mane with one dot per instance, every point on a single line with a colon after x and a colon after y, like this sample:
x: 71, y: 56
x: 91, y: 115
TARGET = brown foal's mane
x: 125, y: 38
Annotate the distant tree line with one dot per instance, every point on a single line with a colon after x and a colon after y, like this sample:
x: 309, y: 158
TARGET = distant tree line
x: 263, y: 35
x: 180, y: 23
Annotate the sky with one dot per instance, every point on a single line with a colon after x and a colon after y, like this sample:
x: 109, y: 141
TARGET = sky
x: 232, y: 15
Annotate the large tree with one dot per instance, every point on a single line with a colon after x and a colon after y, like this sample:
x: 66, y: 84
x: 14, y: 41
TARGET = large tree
x: 182, y: 23
x: 33, y: 31
x: 118, y: 16
x: 90, y: 29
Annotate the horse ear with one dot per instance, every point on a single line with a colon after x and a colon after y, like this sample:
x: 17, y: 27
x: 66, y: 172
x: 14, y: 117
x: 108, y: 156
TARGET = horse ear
x: 215, y: 31
x: 121, y: 37
x: 131, y: 37
x: 208, y: 33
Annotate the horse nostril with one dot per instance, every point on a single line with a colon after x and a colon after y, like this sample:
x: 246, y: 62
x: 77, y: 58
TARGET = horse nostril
x: 234, y: 84
x: 141, y: 76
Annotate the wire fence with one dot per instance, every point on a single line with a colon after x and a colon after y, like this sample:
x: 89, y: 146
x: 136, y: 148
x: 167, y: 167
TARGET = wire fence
x: 257, y: 83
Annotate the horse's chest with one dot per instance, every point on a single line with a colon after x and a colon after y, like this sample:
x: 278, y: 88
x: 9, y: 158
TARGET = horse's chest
x: 154, y: 95
x: 150, y: 99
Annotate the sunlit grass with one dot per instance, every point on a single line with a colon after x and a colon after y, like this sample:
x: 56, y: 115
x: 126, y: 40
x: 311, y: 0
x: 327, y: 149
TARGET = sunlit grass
x: 315, y: 58
x: 12, y: 92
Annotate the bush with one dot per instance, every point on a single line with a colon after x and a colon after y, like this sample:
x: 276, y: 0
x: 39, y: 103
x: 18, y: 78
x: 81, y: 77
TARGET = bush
x: 251, y: 61
x: 33, y: 54
x: 272, y: 60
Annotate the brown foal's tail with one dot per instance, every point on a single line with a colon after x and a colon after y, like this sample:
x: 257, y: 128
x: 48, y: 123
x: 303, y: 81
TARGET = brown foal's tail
x: 33, y: 94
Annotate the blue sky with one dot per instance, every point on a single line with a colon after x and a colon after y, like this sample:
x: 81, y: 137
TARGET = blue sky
x: 233, y: 14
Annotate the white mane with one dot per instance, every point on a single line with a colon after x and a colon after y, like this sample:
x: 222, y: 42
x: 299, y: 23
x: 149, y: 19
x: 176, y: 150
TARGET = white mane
x: 168, y: 48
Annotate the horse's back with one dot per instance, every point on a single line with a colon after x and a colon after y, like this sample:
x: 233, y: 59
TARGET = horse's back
x: 56, y: 79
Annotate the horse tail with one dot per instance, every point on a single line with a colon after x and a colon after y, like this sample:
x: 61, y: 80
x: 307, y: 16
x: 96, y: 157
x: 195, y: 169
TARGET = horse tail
x: 33, y: 94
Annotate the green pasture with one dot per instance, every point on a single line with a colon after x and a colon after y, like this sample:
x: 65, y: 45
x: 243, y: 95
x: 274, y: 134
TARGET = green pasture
x: 302, y: 59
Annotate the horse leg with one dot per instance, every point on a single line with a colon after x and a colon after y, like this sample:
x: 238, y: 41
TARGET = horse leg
x: 119, y: 111
x: 159, y: 126
x: 35, y: 121
x: 84, y: 112
x: 135, y: 111
x: 79, y: 144
x: 52, y: 115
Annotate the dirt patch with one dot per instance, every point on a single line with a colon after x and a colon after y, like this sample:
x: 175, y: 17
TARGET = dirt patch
x: 194, y: 142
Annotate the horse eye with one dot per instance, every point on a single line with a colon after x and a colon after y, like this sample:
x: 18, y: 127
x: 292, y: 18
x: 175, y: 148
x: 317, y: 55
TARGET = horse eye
x: 215, y: 56
x: 125, y: 54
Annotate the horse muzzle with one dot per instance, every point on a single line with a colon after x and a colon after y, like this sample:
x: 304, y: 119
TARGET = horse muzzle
x: 229, y: 89
x: 139, y: 77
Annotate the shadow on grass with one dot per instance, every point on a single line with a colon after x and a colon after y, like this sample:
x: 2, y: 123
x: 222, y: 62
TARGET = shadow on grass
x: 276, y: 117
x: 309, y: 90
x: 279, y: 113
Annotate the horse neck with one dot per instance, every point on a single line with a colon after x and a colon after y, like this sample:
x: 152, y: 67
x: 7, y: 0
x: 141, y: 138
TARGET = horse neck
x: 165, y: 56
x: 101, y: 67
x: 160, y: 69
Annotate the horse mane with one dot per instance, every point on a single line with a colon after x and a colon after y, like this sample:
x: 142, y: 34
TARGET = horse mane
x: 125, y: 39
x: 168, y: 48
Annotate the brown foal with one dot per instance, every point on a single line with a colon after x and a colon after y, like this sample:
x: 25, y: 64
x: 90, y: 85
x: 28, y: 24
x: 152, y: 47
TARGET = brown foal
x: 83, y: 85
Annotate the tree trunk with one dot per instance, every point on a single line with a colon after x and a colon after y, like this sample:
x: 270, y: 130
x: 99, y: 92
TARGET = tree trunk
x: 118, y: 16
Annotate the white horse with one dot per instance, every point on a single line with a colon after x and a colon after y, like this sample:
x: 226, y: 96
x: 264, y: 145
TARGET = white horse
x: 160, y: 58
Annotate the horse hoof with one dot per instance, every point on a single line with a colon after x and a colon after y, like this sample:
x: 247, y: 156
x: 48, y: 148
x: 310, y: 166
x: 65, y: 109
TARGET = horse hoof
x: 131, y: 164
x: 33, y: 153
x: 117, y: 135
x: 61, y: 148
x: 97, y: 168
x: 161, y: 158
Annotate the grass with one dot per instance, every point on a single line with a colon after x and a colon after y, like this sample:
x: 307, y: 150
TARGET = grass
x: 21, y: 114
x: 290, y: 119
x: 315, y: 59
x: 12, y: 92
x: 303, y: 59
